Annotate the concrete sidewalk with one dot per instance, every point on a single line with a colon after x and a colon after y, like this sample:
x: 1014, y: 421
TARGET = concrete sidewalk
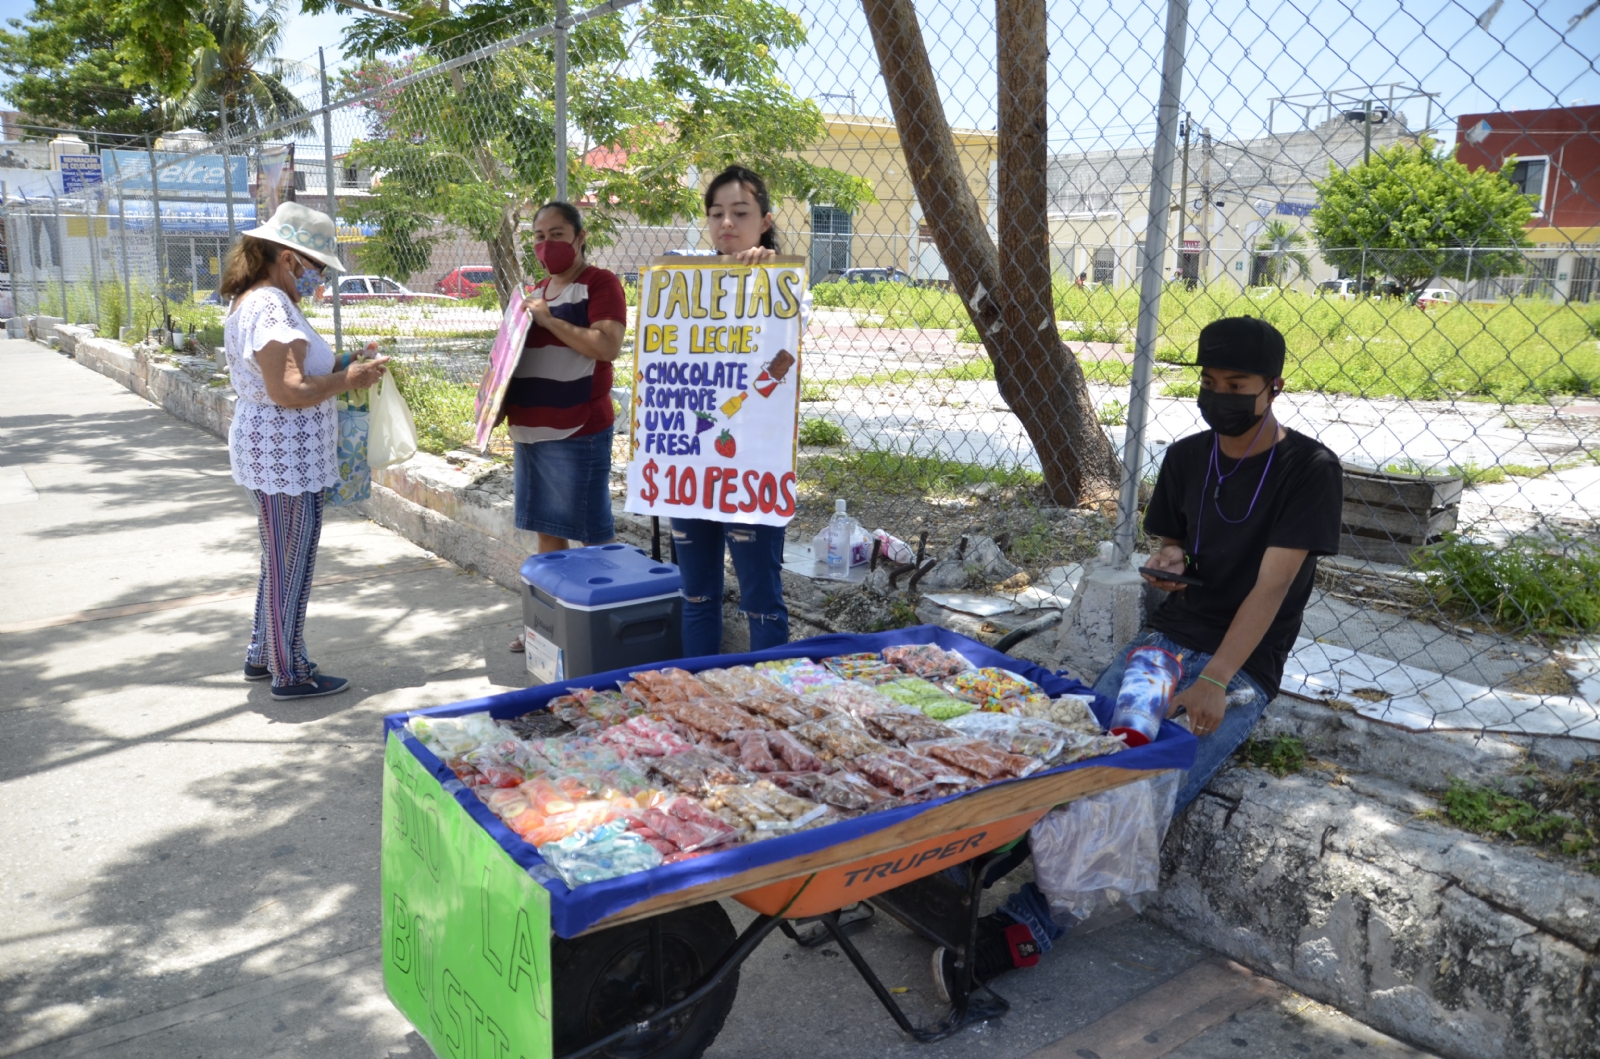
x: 192, y: 868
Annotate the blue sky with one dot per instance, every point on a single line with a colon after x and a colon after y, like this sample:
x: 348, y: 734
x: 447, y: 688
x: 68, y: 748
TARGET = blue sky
x: 1105, y: 58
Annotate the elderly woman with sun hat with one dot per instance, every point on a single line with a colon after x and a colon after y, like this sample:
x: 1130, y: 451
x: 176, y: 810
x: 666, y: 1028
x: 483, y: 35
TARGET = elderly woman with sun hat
x: 285, y: 429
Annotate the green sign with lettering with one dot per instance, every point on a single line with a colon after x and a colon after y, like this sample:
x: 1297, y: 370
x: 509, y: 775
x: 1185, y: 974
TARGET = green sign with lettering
x: 466, y: 932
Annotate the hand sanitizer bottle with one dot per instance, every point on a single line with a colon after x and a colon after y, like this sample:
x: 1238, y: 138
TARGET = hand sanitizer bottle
x: 839, y: 543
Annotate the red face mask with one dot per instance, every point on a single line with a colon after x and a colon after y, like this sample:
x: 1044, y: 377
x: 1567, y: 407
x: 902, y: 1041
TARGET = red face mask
x: 556, y: 257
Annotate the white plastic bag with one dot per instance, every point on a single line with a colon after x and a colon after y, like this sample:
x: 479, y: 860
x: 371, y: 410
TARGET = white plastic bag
x: 392, y: 433
x: 1104, y: 849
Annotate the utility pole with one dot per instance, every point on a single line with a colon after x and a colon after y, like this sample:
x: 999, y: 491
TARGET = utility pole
x: 1183, y: 196
x: 227, y: 173
x: 1205, y: 206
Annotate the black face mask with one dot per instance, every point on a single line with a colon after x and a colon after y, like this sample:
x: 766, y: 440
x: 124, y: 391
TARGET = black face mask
x: 1229, y: 414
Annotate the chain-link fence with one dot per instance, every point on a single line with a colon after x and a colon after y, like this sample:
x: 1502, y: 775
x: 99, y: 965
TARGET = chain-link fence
x: 1016, y: 221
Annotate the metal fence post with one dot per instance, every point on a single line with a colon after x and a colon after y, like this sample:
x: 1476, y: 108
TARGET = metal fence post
x: 227, y: 173
x: 561, y: 100
x: 1150, y: 284
x: 161, y: 242
x: 333, y: 202
x: 127, y: 273
x: 91, y: 211
x: 61, y: 255
x: 33, y: 255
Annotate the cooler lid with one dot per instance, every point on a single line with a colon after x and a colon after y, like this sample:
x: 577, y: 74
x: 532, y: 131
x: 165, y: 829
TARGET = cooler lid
x: 602, y: 575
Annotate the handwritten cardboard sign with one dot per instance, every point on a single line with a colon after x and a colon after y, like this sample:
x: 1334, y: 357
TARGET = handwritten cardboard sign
x: 716, y: 391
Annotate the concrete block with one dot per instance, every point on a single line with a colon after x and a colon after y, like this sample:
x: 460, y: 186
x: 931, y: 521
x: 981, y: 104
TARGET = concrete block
x: 43, y: 328
x: 17, y: 327
x: 1107, y: 611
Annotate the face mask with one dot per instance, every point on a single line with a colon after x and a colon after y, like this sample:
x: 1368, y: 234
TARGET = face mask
x: 306, y: 284
x: 1229, y: 414
x: 556, y: 257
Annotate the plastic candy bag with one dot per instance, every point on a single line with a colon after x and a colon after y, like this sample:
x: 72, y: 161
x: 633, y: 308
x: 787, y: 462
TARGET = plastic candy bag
x: 779, y: 713
x: 885, y: 771
x: 990, y: 687
x: 858, y: 700
x: 799, y: 675
x: 867, y: 667
x: 754, y: 754
x: 981, y: 758
x: 1069, y: 711
x: 846, y: 790
x: 1015, y: 735
x: 1104, y: 849
x: 604, y: 852
x: 738, y: 680
x: 795, y: 754
x: 906, y: 725
x: 926, y: 660
x: 454, y: 735
x: 838, y: 736
x: 928, y: 698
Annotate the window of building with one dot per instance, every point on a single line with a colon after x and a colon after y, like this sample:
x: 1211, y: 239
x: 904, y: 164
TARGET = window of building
x: 1529, y: 177
x: 1105, y: 265
x: 1585, y: 285
x: 1541, y: 277
x: 830, y: 242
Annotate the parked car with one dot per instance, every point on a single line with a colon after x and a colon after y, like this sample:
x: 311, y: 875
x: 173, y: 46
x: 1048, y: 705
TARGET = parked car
x: 465, y: 282
x: 1440, y: 296
x: 356, y: 289
x: 873, y: 275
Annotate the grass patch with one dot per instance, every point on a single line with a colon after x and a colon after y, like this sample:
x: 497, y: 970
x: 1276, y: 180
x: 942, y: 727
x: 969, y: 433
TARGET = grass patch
x: 1113, y: 413
x: 821, y: 432
x: 876, y: 472
x: 1190, y: 388
x: 1095, y: 332
x: 1280, y: 755
x: 815, y: 391
x: 1545, y: 585
x: 445, y: 411
x: 1555, y: 812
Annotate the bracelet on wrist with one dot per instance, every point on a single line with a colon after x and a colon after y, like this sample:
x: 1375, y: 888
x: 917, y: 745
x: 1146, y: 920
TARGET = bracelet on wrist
x: 1215, y: 681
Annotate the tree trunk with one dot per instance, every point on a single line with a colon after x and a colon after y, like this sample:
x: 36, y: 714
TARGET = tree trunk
x: 1038, y: 377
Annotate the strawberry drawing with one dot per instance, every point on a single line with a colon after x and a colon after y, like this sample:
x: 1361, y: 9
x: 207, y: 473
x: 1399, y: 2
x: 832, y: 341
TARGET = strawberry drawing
x: 725, y: 445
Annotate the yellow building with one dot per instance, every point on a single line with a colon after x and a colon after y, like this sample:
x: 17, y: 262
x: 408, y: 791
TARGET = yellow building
x: 888, y: 233
x: 891, y: 232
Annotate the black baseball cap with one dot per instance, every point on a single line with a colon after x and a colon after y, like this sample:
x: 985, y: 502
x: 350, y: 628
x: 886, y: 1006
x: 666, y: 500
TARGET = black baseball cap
x: 1241, y: 343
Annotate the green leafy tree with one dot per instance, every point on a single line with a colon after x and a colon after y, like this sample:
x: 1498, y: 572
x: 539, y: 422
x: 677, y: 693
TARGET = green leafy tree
x: 64, y: 70
x: 240, y: 69
x: 1283, y: 244
x: 670, y: 88
x: 1413, y: 212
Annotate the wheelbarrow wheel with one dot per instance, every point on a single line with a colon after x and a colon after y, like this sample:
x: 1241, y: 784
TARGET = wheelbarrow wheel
x: 605, y: 981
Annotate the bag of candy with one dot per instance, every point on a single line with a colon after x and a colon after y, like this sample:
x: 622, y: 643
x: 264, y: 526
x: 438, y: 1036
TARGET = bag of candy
x: 906, y: 725
x: 796, y: 756
x: 799, y: 675
x: 989, y: 688
x: 604, y: 852
x: 779, y: 713
x: 981, y: 758
x: 868, y: 667
x: 925, y: 697
x: 837, y: 736
x: 926, y: 660
x: 754, y: 753
x: 885, y: 771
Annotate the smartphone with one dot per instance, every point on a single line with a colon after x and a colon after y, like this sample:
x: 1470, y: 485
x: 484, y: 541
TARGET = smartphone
x: 1165, y: 575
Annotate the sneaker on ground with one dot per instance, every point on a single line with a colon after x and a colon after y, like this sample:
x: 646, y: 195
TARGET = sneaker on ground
x: 1003, y: 944
x: 314, y: 688
x: 254, y: 672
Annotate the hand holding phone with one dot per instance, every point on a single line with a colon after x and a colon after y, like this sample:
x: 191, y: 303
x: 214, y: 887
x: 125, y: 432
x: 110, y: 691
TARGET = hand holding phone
x: 1167, y: 575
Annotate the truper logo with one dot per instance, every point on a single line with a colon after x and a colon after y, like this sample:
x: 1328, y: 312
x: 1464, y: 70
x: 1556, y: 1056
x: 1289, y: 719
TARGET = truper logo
x: 913, y: 860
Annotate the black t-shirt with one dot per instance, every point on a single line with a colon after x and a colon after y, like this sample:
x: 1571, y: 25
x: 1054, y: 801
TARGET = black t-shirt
x: 1299, y: 506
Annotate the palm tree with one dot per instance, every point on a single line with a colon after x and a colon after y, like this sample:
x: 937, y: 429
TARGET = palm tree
x: 240, y: 75
x: 1282, y: 241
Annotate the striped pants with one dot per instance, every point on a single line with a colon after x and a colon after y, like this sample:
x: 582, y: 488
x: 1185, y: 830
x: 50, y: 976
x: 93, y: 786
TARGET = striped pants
x: 290, y: 525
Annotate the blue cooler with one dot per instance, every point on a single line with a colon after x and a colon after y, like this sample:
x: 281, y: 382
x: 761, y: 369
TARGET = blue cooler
x: 592, y: 609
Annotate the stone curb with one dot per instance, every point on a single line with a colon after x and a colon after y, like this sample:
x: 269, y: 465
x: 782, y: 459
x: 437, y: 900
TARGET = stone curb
x: 1470, y: 948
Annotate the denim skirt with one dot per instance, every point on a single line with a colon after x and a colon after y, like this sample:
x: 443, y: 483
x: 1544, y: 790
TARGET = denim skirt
x: 563, y: 487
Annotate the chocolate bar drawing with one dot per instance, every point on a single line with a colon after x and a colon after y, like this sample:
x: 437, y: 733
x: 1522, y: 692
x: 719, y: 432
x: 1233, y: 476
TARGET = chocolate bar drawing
x: 773, y: 373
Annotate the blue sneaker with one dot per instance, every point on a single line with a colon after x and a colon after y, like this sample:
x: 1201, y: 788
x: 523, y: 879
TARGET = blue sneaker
x: 314, y: 688
x: 252, y: 672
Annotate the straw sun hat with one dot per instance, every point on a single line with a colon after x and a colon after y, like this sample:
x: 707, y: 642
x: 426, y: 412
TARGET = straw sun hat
x: 302, y: 229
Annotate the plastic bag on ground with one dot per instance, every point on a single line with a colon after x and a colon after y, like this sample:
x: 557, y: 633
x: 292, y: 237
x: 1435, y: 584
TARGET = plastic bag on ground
x: 1104, y: 849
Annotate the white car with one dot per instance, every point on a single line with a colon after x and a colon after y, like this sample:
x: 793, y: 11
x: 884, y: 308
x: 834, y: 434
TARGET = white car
x: 354, y: 289
x: 1443, y: 297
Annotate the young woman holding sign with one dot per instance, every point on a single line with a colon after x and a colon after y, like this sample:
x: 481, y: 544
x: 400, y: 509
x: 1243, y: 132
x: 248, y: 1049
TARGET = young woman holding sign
x: 559, y: 401
x: 739, y: 221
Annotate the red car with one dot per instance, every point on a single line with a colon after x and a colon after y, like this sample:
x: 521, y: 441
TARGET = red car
x: 466, y: 281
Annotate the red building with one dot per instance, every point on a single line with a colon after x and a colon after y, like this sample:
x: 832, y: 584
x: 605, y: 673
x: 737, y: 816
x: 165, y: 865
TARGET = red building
x: 1557, y: 155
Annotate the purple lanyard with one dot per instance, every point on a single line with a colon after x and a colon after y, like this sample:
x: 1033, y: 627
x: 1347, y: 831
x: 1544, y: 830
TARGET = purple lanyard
x: 1216, y: 496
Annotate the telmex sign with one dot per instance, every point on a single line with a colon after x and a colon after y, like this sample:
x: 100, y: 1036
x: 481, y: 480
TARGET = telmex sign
x: 201, y: 174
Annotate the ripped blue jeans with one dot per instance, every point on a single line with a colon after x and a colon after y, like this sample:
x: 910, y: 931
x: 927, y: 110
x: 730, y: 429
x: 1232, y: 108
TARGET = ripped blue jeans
x: 757, y: 553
